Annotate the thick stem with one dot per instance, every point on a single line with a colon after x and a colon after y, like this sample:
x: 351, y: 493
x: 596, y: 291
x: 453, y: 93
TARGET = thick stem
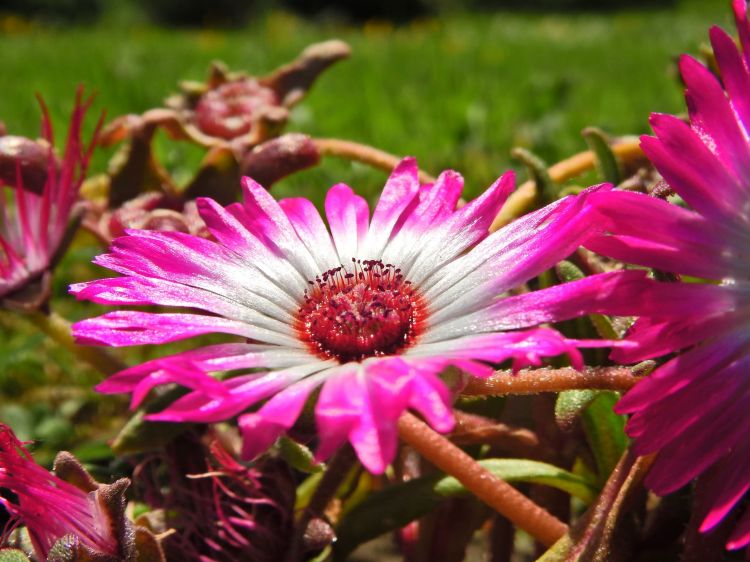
x: 535, y: 381
x: 57, y: 328
x: 496, y: 493
x: 522, y: 199
x: 363, y: 153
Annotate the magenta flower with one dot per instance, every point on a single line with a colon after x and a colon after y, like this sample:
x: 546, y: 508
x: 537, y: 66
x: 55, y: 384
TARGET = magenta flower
x: 373, y: 311
x: 692, y: 411
x: 49, y: 507
x: 33, y: 225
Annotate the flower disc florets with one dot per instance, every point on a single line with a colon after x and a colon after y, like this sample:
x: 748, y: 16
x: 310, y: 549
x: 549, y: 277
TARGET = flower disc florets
x: 368, y: 310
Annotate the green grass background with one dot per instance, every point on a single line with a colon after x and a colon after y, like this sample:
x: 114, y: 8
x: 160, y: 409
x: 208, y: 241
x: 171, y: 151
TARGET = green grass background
x: 456, y: 92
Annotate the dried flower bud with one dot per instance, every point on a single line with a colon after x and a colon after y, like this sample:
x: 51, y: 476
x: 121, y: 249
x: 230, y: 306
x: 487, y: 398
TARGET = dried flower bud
x: 230, y: 110
x: 30, y: 158
x: 280, y: 157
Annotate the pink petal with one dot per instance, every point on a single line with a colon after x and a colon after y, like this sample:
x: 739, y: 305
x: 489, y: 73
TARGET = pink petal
x: 669, y: 378
x: 652, y: 232
x: 268, y: 222
x: 460, y: 231
x: 743, y: 27
x: 221, y: 357
x: 184, y: 373
x: 510, y: 257
x: 398, y: 194
x: 139, y: 291
x: 436, y: 202
x: 659, y: 337
x: 691, y: 169
x: 728, y: 484
x: 311, y: 231
x: 712, y: 116
x: 335, y: 413
x: 741, y: 536
x: 430, y: 397
x: 717, y: 436
x: 734, y: 73
x: 260, y: 263
x: 348, y: 216
x: 261, y: 429
x: 138, y: 328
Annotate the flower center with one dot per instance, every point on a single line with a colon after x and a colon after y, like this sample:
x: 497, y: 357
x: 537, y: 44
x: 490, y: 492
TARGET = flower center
x: 369, y: 311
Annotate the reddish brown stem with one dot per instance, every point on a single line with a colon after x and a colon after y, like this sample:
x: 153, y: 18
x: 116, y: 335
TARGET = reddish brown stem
x: 496, y: 493
x: 365, y: 154
x: 535, y: 381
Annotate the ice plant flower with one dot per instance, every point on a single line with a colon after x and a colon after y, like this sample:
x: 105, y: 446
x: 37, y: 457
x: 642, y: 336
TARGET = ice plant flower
x: 48, y: 506
x: 692, y: 411
x: 35, y: 219
x: 373, y: 311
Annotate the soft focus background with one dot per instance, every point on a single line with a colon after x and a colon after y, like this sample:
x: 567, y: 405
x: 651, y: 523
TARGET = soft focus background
x: 456, y: 84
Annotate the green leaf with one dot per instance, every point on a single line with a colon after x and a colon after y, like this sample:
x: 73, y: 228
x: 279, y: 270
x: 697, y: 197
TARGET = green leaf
x: 395, y: 506
x: 386, y: 510
x: 546, y: 189
x: 570, y: 404
x: 18, y: 418
x: 568, y: 271
x: 139, y: 435
x: 298, y: 456
x: 522, y: 470
x: 12, y: 555
x: 306, y: 489
x: 93, y: 451
x: 605, y: 432
x: 558, y: 552
x: 606, y: 161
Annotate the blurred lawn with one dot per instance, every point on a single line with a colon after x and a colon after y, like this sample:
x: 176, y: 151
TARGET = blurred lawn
x: 457, y: 92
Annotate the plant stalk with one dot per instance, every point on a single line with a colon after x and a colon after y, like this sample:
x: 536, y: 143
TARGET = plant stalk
x: 366, y: 154
x: 496, y: 493
x: 535, y: 381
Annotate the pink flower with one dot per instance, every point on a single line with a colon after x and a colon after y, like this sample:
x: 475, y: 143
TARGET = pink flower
x: 692, y: 411
x: 373, y: 312
x: 34, y: 225
x: 49, y: 507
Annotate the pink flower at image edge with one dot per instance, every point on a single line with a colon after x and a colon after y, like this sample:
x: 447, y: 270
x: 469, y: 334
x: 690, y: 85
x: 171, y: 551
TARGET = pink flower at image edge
x: 49, y: 507
x: 33, y: 227
x: 692, y: 411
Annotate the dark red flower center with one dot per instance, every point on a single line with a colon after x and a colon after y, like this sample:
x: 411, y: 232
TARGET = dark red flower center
x: 366, y: 310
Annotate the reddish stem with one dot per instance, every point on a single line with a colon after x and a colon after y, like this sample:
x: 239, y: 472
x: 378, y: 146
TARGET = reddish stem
x: 496, y: 493
x: 365, y: 154
x: 535, y: 381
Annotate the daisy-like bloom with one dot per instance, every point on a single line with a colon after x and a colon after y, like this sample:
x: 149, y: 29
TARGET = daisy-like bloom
x: 692, y: 411
x: 49, y: 507
x: 34, y: 222
x: 373, y: 311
